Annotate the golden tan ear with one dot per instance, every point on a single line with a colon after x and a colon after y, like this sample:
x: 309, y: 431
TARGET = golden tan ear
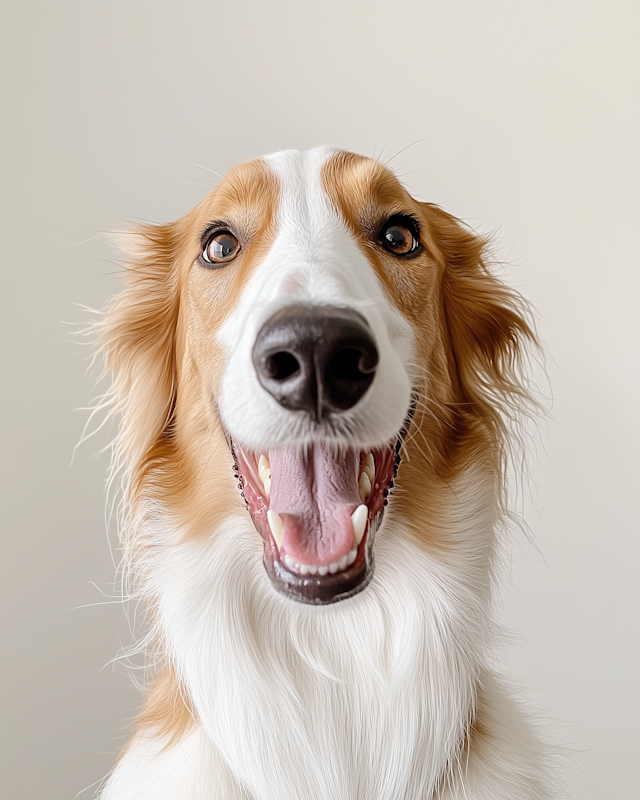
x: 137, y: 337
x: 486, y: 323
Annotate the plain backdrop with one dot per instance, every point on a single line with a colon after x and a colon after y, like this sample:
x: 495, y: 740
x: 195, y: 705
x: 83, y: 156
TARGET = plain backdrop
x: 520, y: 117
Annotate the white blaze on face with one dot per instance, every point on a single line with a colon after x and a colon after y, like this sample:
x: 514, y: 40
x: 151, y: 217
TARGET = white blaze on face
x: 314, y: 260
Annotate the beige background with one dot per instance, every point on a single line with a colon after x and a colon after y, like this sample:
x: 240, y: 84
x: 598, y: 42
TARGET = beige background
x: 520, y: 117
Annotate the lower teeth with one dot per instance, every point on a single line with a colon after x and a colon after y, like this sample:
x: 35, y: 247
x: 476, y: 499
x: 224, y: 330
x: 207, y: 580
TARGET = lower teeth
x: 313, y: 569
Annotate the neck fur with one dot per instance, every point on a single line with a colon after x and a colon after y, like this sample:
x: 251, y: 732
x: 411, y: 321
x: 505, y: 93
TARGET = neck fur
x: 367, y: 698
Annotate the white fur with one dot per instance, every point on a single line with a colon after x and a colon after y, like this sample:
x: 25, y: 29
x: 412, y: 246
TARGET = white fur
x: 502, y: 765
x: 315, y: 260
x: 363, y: 700
x: 505, y: 761
x: 189, y: 770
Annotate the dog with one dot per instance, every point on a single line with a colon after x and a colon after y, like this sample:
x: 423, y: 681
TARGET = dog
x: 314, y: 374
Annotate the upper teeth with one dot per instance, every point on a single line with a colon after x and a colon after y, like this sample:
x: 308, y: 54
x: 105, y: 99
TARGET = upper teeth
x: 264, y: 471
x: 367, y: 477
x: 364, y: 486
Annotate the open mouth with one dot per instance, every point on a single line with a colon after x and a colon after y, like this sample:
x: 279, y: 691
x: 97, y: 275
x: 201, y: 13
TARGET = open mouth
x: 317, y: 510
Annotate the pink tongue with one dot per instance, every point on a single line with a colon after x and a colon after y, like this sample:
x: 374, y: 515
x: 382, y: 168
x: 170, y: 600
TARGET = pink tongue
x: 315, y: 494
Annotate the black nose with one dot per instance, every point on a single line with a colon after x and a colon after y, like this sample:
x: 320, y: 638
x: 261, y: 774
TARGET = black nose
x: 315, y: 358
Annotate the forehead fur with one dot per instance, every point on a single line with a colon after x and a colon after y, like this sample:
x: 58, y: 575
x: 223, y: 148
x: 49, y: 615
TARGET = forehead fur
x: 248, y: 195
x: 362, y: 188
x: 258, y: 195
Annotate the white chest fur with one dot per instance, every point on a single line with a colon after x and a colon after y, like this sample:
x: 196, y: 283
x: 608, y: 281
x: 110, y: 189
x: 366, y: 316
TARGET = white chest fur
x: 367, y: 698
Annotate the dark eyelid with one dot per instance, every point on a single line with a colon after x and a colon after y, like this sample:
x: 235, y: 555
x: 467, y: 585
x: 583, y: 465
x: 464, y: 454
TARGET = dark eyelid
x: 407, y: 220
x: 215, y: 227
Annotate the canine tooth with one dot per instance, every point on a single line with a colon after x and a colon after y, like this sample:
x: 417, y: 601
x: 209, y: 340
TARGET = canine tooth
x: 351, y: 557
x: 369, y: 467
x: 264, y: 468
x: 364, y: 486
x: 276, y: 524
x: 323, y: 569
x: 359, y: 522
x: 267, y: 485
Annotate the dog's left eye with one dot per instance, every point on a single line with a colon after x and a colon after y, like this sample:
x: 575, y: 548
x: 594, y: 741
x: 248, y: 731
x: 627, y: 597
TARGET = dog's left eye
x: 399, y: 236
x: 220, y: 248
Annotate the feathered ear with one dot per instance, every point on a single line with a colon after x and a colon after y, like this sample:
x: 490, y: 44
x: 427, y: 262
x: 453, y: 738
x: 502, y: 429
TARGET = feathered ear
x: 138, y: 335
x: 487, y: 324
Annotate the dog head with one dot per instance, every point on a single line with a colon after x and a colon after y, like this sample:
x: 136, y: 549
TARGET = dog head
x: 308, y: 324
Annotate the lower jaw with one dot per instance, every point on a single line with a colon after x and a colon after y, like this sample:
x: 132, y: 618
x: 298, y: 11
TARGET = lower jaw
x: 322, y: 590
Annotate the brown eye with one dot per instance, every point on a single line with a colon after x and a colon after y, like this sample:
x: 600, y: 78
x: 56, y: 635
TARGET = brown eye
x: 400, y: 237
x: 220, y: 248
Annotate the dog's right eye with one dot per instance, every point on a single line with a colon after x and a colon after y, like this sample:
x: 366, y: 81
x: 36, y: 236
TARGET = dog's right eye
x: 220, y: 248
x: 400, y: 236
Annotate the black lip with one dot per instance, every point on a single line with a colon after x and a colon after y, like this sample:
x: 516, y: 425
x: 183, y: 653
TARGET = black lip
x: 319, y: 590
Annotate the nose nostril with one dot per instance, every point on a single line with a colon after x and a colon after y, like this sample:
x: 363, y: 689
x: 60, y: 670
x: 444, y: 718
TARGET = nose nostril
x: 317, y: 359
x: 281, y: 366
x: 347, y: 365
